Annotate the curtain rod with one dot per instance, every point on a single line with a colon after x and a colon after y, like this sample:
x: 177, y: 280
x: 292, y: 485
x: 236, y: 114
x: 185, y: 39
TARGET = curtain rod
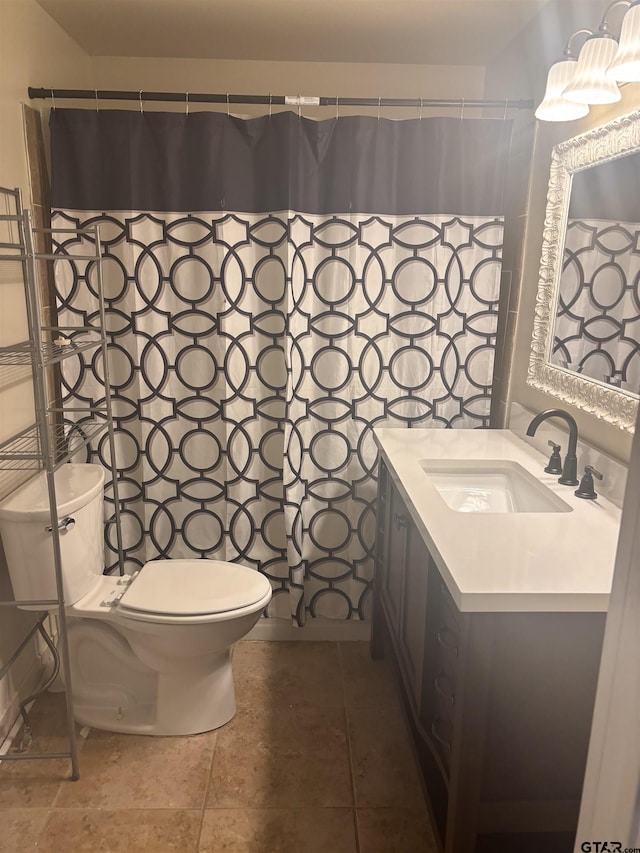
x: 274, y: 100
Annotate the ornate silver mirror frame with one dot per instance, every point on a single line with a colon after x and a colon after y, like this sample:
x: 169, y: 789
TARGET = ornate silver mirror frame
x: 615, y: 139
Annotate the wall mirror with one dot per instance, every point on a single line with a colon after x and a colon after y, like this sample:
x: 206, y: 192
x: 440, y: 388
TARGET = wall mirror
x: 586, y: 338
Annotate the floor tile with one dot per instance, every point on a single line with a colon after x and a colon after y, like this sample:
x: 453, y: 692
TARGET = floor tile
x: 132, y: 771
x: 284, y: 757
x: 395, y: 831
x: 278, y: 776
x: 20, y: 829
x: 48, y: 719
x: 278, y: 831
x: 31, y: 784
x: 35, y: 784
x: 287, y: 673
x: 107, y: 831
x: 367, y: 683
x: 384, y: 769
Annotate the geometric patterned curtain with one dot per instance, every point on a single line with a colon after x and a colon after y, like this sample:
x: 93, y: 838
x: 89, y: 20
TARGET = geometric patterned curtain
x: 253, y: 353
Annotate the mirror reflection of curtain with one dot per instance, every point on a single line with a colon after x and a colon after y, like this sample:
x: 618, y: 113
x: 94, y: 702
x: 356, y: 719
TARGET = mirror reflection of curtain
x: 597, y: 329
x: 276, y: 288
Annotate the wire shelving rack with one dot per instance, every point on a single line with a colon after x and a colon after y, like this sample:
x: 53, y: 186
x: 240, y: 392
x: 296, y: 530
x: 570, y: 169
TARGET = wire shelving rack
x: 57, y: 434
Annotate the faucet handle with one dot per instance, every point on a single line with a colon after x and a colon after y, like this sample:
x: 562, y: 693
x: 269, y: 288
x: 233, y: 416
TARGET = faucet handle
x: 586, y: 488
x: 554, y: 466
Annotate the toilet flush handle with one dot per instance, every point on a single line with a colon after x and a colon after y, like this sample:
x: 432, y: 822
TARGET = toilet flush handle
x: 64, y: 526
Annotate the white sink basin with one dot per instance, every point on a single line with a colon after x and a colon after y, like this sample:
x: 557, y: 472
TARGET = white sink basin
x: 490, y: 486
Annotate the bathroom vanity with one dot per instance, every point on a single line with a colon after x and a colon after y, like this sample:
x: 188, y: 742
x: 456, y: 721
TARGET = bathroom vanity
x: 494, y: 623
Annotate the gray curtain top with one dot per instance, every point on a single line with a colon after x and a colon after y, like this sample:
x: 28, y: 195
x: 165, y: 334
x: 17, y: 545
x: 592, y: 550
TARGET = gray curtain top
x: 156, y: 161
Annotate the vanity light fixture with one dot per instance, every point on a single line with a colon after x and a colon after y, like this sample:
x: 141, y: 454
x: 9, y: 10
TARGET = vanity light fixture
x: 554, y: 106
x: 590, y: 83
x: 591, y: 79
x: 625, y: 67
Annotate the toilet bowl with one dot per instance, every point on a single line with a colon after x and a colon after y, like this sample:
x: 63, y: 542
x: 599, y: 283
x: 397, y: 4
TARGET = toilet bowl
x: 150, y: 652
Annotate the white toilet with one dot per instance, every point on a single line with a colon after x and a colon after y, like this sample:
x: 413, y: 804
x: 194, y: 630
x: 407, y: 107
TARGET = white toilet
x: 149, y: 653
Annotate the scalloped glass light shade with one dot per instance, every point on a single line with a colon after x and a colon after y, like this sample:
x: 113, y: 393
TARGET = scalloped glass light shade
x: 590, y: 84
x: 554, y: 106
x: 626, y: 64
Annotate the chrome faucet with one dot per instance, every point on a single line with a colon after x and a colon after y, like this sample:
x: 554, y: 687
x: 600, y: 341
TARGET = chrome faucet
x: 569, y: 469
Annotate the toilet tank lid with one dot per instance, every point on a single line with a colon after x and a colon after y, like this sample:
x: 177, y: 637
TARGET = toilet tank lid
x: 194, y: 587
x: 75, y: 484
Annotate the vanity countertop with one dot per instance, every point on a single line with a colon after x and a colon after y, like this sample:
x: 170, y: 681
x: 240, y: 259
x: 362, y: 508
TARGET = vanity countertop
x: 505, y: 561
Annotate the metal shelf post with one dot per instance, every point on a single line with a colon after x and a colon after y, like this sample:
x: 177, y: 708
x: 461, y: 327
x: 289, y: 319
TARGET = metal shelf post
x: 44, y: 445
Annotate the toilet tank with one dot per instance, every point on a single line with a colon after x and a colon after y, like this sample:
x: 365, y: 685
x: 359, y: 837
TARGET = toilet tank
x: 24, y: 517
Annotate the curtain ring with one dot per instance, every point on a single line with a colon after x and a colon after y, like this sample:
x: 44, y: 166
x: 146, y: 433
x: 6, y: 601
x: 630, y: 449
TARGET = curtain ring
x: 379, y: 100
x: 337, y: 107
x: 461, y: 109
x: 270, y: 103
x: 97, y: 104
x: 53, y: 100
x: 228, y: 110
x: 186, y: 98
x: 140, y: 99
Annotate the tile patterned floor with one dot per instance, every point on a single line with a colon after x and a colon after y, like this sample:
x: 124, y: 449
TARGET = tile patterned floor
x: 316, y: 760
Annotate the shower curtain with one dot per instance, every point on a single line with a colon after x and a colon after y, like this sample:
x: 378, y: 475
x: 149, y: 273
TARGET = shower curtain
x: 275, y: 289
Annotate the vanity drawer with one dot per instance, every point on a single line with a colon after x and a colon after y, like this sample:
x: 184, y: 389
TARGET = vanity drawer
x: 442, y: 715
x: 445, y: 688
x: 443, y: 640
x: 446, y: 645
x: 449, y: 609
x: 441, y: 735
x: 448, y: 641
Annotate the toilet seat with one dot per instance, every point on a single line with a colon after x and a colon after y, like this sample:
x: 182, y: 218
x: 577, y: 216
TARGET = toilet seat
x: 174, y: 591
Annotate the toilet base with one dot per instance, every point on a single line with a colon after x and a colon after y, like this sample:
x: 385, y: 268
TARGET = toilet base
x: 190, y: 702
x: 142, y: 676
x: 186, y: 702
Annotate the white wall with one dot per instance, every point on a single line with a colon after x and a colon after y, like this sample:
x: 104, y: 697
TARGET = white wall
x: 610, y: 807
x: 33, y: 51
x: 289, y: 78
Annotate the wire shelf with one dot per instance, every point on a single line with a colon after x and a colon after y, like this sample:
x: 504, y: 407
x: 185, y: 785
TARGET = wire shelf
x: 24, y: 352
x: 59, y: 435
x: 26, y: 450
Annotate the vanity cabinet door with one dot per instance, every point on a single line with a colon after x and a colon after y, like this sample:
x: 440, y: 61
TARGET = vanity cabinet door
x: 413, y: 624
x: 443, y: 643
x: 393, y: 576
x: 403, y: 578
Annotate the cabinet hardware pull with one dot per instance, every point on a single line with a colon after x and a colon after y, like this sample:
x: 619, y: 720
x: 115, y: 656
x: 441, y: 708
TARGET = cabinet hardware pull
x: 400, y: 520
x: 438, y: 737
x: 450, y: 696
x: 448, y: 639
